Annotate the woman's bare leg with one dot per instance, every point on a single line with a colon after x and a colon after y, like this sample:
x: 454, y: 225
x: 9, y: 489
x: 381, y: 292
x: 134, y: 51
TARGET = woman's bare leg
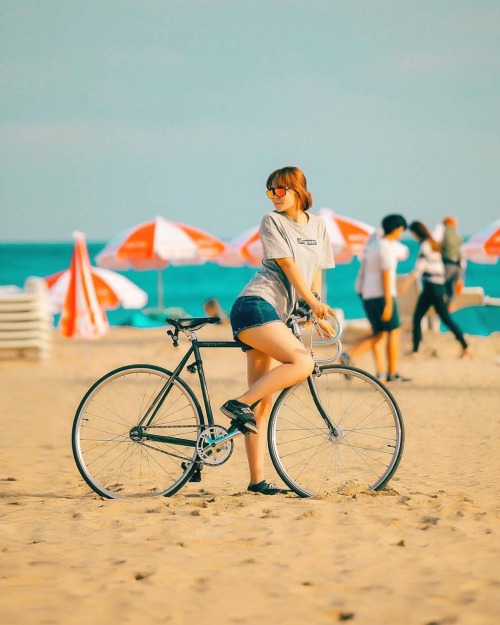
x: 276, y: 341
x: 258, y: 364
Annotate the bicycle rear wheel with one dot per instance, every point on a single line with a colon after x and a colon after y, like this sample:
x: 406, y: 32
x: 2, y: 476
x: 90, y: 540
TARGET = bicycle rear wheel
x: 119, y: 459
x: 342, y: 428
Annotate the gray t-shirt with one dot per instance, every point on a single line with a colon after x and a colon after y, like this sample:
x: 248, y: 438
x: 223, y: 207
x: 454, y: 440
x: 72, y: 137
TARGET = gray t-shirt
x: 308, y: 245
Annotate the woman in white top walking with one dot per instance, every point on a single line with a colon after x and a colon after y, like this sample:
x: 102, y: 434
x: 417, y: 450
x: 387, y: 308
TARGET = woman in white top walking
x: 429, y: 267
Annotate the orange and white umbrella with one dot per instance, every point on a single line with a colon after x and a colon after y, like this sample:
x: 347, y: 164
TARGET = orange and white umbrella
x: 245, y: 249
x: 347, y: 236
x: 112, y: 289
x: 82, y: 315
x: 155, y: 245
x: 484, y: 245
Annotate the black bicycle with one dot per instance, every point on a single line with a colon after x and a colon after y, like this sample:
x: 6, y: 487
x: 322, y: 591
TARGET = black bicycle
x: 140, y: 430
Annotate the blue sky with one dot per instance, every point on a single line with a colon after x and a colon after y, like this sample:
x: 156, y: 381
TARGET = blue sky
x: 115, y: 111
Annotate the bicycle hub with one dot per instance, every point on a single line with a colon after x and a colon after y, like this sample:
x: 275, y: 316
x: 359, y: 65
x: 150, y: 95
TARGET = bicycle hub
x: 136, y: 434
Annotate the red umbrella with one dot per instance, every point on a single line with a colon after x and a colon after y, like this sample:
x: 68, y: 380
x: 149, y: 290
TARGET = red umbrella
x: 156, y: 244
x: 82, y: 316
x: 484, y: 245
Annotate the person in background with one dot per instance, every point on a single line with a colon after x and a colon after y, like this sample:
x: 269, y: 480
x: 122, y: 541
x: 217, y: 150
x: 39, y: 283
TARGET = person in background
x: 296, y: 249
x: 376, y: 284
x: 430, y: 268
x: 213, y: 308
x: 451, y: 251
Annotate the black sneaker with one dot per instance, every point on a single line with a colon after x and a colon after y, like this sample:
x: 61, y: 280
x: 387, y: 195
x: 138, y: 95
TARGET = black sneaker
x: 266, y: 488
x: 395, y: 377
x: 241, y: 414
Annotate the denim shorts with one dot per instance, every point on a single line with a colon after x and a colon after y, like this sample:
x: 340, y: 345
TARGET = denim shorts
x: 250, y: 311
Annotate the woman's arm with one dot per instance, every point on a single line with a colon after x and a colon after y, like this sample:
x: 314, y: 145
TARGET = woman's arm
x: 317, y: 284
x: 317, y: 288
x: 417, y: 271
x: 320, y: 310
x: 405, y: 284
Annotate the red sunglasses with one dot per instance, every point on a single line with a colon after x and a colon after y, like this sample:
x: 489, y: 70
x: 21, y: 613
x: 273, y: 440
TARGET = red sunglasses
x: 276, y: 192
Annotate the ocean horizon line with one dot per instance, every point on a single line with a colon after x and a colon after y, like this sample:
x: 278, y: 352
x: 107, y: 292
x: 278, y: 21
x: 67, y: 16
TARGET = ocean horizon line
x: 405, y: 237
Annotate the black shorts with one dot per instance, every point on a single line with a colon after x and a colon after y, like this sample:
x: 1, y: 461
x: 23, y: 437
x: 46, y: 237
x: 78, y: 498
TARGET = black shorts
x: 374, y: 307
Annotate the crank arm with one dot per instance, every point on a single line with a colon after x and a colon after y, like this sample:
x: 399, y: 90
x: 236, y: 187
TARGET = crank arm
x: 223, y: 439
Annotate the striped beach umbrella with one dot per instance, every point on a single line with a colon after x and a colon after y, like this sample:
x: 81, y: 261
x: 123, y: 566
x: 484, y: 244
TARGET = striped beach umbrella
x: 484, y: 245
x: 245, y: 249
x: 81, y: 315
x: 155, y: 245
x: 347, y: 237
x: 112, y: 289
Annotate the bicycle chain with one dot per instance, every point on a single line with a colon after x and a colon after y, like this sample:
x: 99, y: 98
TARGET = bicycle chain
x: 168, y: 453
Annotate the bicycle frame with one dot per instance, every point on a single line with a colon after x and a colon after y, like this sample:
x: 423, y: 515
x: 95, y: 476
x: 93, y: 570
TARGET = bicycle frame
x: 143, y: 429
x: 197, y: 365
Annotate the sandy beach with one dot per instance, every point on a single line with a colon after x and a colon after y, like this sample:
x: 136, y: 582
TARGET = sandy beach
x: 422, y: 551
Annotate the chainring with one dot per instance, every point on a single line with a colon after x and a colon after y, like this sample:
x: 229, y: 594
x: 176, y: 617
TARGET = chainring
x: 212, y: 453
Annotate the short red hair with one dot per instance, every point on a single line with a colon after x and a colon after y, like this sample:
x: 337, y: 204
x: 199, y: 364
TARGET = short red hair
x: 294, y: 178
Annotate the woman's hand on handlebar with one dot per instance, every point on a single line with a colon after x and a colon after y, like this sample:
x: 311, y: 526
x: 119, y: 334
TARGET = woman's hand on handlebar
x: 325, y: 328
x: 321, y: 310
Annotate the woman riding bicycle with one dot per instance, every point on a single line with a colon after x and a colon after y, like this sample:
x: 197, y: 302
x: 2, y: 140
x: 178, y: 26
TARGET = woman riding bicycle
x: 296, y: 248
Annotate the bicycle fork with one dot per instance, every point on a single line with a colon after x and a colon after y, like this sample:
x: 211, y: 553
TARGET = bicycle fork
x: 335, y: 433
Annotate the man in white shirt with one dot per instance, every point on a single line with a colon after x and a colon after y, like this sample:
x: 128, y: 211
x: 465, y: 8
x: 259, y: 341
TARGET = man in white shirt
x: 376, y: 284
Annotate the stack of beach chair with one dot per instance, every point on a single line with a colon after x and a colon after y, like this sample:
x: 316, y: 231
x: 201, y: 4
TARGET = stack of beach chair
x: 25, y: 320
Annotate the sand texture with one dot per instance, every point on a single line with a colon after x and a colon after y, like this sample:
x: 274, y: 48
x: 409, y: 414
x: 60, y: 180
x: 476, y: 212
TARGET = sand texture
x: 422, y: 551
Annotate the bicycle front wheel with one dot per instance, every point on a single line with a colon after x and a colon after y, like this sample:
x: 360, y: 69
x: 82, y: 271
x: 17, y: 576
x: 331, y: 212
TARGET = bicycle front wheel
x: 339, y: 428
x: 131, y: 439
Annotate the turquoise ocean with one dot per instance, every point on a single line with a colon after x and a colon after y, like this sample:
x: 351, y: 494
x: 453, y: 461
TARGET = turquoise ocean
x: 188, y: 287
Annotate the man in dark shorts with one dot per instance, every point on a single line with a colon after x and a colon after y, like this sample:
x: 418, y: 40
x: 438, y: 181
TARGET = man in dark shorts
x: 374, y: 309
x: 376, y: 284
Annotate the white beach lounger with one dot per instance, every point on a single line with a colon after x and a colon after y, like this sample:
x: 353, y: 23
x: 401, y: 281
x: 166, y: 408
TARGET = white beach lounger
x: 25, y: 320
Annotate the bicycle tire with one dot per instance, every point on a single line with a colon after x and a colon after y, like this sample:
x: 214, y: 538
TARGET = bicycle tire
x: 115, y: 465
x: 368, y: 447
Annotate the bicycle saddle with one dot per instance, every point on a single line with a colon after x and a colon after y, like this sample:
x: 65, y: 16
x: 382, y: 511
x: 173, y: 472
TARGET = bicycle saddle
x: 192, y: 323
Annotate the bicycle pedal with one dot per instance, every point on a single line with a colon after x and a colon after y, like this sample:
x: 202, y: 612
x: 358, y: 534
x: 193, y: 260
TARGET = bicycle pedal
x: 236, y: 426
x: 196, y: 477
